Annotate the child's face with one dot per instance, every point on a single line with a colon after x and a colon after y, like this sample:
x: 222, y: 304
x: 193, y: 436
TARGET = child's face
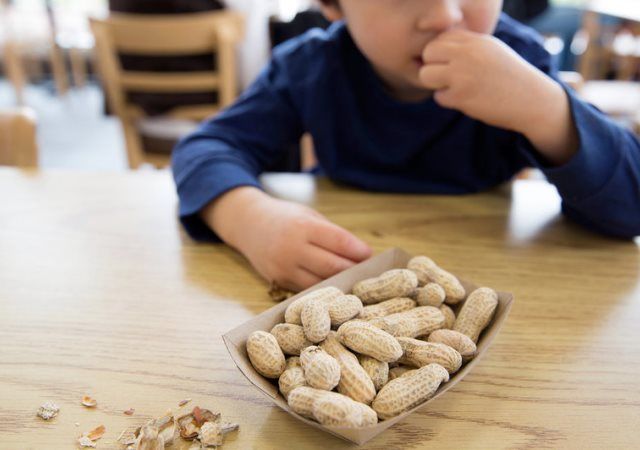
x: 393, y: 33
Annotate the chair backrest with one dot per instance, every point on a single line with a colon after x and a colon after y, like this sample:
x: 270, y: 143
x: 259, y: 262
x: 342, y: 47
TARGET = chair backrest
x: 18, y: 138
x: 216, y: 33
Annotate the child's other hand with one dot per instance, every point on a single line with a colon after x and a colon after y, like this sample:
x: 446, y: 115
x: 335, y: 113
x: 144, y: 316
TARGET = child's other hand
x: 482, y: 77
x: 286, y: 242
x: 297, y: 247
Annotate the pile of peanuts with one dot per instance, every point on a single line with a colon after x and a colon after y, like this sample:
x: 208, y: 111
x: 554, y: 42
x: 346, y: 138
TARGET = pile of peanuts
x: 385, y: 348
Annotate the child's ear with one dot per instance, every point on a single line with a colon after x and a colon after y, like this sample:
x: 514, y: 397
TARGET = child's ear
x: 331, y: 10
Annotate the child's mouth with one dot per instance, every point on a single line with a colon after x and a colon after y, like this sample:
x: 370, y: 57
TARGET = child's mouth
x: 418, y: 60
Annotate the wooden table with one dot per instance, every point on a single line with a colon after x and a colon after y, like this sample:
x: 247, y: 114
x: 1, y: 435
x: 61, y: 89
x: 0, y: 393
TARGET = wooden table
x: 102, y: 293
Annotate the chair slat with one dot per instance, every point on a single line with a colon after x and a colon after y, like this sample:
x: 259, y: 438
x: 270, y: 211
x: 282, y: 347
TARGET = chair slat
x: 159, y: 35
x: 169, y: 82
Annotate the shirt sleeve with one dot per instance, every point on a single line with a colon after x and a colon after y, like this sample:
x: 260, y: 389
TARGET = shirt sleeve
x: 233, y: 148
x: 600, y: 185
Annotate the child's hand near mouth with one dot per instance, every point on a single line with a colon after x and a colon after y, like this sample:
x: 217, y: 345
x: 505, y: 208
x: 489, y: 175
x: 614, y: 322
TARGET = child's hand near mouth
x: 482, y: 77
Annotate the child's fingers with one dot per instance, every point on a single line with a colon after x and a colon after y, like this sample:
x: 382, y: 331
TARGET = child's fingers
x: 438, y: 52
x: 298, y: 280
x: 303, y: 278
x: 457, y: 35
x: 337, y: 240
x: 435, y: 76
x: 322, y: 262
x: 445, y: 98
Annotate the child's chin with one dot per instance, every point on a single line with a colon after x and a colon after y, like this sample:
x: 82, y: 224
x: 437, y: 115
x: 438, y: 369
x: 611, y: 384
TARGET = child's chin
x: 415, y: 92
x: 415, y: 84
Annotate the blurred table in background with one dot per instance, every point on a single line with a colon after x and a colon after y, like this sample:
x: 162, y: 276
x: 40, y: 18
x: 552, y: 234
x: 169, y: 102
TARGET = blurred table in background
x: 624, y: 9
x: 610, y: 58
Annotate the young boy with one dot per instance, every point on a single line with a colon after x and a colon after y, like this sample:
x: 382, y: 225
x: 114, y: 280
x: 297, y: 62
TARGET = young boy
x: 415, y: 96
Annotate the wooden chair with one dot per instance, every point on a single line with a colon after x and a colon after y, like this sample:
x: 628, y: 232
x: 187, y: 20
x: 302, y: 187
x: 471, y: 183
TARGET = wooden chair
x: 186, y: 34
x: 18, y: 138
x: 29, y: 38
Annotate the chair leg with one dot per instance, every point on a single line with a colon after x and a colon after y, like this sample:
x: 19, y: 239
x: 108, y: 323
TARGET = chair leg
x: 57, y: 67
x: 626, y: 68
x: 135, y: 154
x: 33, y: 68
x: 589, y: 60
x: 15, y: 71
x: 78, y: 67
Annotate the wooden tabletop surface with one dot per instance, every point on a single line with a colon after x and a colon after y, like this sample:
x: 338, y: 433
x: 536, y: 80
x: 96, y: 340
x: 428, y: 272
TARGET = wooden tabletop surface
x: 101, y: 293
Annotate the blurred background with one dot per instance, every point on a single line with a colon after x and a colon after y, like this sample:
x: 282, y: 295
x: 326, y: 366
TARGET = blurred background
x: 112, y: 84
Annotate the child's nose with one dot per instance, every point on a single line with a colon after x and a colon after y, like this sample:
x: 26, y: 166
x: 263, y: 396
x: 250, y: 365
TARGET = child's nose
x: 439, y: 15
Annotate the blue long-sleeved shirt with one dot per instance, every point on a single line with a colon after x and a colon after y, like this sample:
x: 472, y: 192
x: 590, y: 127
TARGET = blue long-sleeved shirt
x: 322, y: 84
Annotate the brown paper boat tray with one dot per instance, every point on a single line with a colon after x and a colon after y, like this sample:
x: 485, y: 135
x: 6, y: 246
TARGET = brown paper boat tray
x: 236, y: 339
